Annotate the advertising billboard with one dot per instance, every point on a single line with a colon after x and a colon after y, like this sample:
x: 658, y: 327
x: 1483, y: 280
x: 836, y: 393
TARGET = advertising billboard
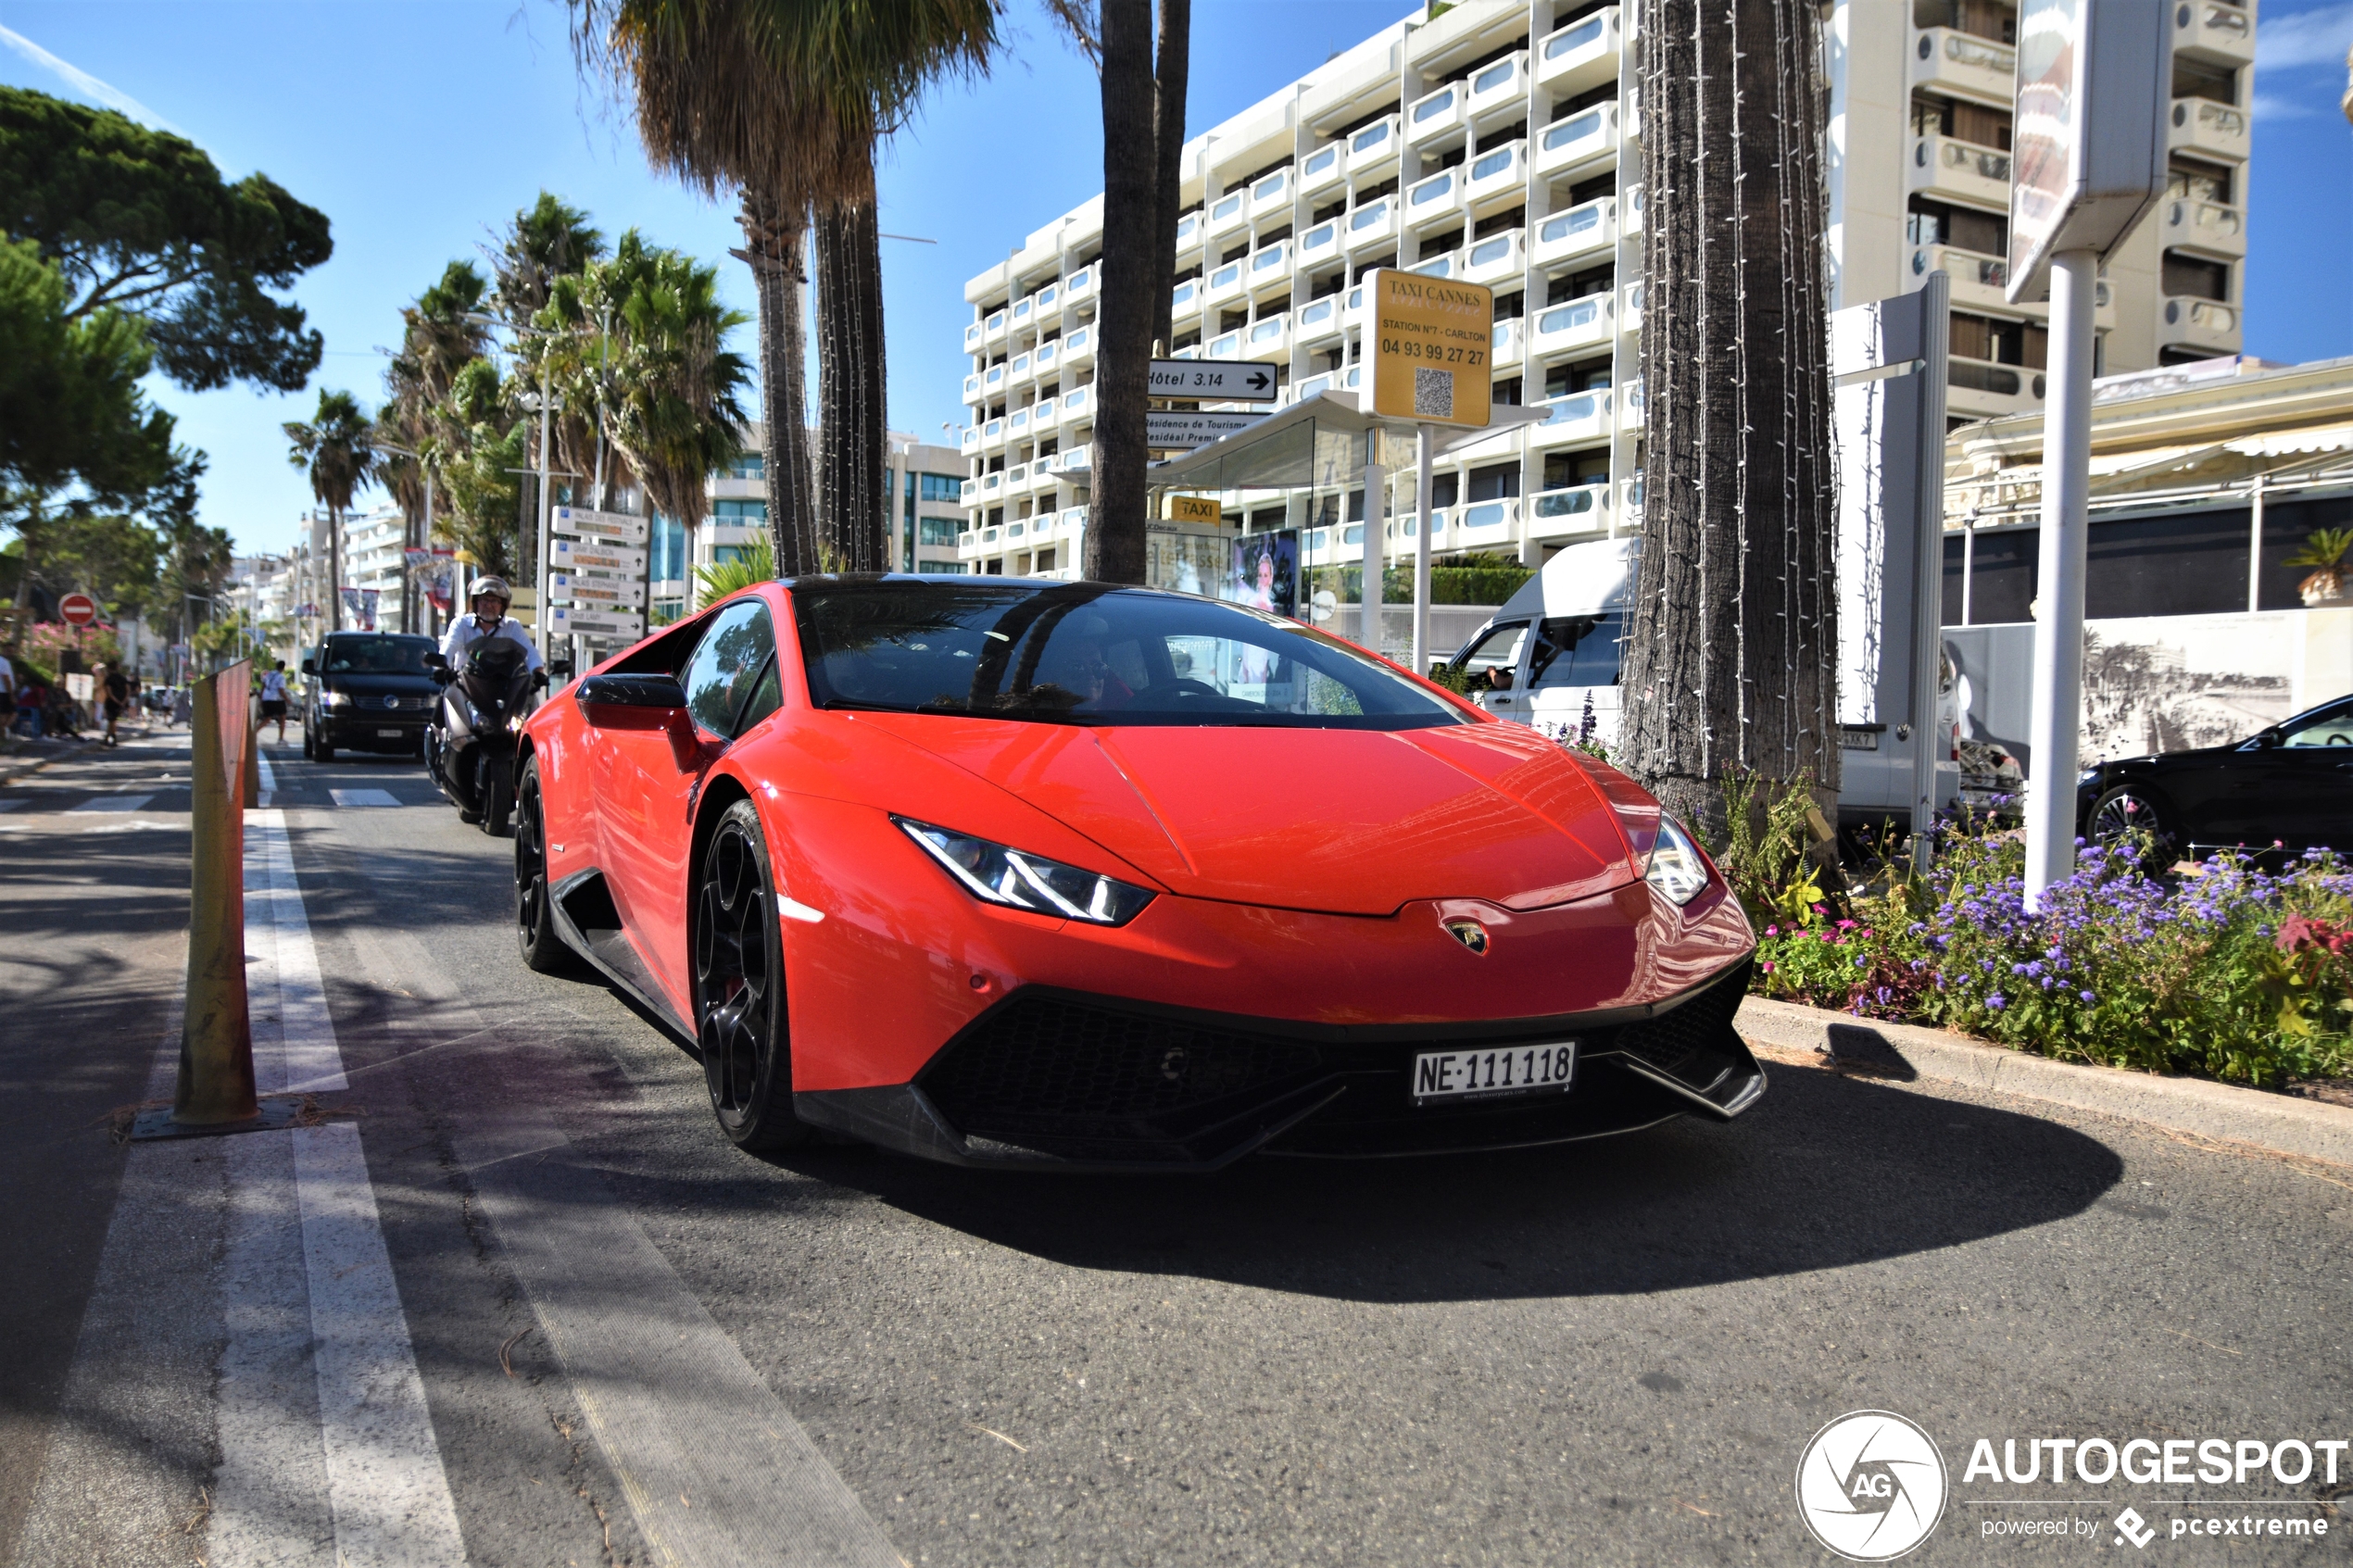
x: 1265, y: 574
x: 2088, y: 158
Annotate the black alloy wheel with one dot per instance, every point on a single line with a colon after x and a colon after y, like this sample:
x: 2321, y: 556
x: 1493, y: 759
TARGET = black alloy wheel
x: 2125, y: 813
x: 739, y: 988
x: 543, y: 949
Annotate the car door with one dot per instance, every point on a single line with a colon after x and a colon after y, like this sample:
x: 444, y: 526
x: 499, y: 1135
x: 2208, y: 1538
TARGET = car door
x: 648, y: 780
x: 1572, y: 665
x: 2311, y: 776
x: 1491, y: 669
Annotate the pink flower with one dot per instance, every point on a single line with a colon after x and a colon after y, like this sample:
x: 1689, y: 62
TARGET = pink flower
x: 1769, y: 966
x: 1772, y: 931
x: 1846, y: 925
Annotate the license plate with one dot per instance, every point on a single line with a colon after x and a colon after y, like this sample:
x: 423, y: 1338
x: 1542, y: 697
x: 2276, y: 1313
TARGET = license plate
x: 1495, y: 1072
x: 390, y: 734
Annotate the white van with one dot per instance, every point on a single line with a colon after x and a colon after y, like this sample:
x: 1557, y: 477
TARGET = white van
x: 1549, y: 657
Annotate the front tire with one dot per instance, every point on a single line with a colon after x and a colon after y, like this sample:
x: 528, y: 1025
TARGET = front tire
x: 739, y: 988
x: 543, y: 950
x: 2124, y: 812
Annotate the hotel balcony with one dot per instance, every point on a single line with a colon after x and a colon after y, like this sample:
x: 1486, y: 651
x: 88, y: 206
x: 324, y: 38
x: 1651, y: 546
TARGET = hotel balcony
x: 2214, y: 31
x: 1078, y: 348
x: 1961, y: 170
x: 1226, y: 283
x: 1500, y: 90
x: 1500, y: 173
x: 1271, y: 266
x: 969, y: 441
x: 1632, y: 212
x: 1581, y: 323
x: 1372, y: 226
x: 974, y: 335
x: 1187, y: 235
x: 1048, y: 359
x: 1435, y: 114
x: 1948, y: 60
x: 972, y: 388
x: 996, y: 329
x: 1319, y: 320
x: 1496, y: 258
x: 1630, y: 308
x: 1587, y: 227
x: 1077, y: 405
x: 1323, y: 169
x: 1226, y: 346
x: 1481, y: 522
x: 1269, y: 338
x: 1629, y: 404
x: 1081, y: 285
x: 1978, y: 279
x: 1509, y: 344
x: 1983, y: 390
x: 2190, y: 224
x: 1576, y: 509
x: 1373, y: 148
x: 1442, y: 264
x: 1229, y: 213
x: 1023, y: 309
x: 2207, y: 324
x: 2201, y: 125
x: 1580, y: 139
x: 1581, y: 417
x: 1272, y: 196
x: 1581, y: 56
x: 1319, y: 243
x: 1436, y: 202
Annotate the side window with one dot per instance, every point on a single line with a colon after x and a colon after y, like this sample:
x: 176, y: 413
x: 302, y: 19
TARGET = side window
x: 1579, y: 650
x: 733, y: 673
x: 1499, y: 650
x: 2330, y: 726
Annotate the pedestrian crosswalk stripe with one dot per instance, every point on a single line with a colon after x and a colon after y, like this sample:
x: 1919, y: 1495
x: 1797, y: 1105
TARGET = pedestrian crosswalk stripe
x: 364, y: 798
x: 111, y: 803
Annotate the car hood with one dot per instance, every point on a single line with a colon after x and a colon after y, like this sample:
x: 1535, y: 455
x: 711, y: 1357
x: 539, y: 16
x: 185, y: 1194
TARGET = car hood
x: 1339, y: 821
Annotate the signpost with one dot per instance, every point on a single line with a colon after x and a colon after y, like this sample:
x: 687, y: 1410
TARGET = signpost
x: 1172, y: 431
x: 597, y: 580
x: 1197, y: 508
x: 78, y: 609
x: 1222, y: 381
x: 572, y: 621
x: 2094, y: 81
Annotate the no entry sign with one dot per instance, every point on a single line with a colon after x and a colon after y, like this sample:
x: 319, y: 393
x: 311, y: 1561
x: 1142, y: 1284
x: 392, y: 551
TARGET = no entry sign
x: 79, y: 610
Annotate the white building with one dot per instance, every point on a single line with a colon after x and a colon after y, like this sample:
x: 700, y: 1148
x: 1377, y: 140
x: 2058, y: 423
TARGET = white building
x: 925, y: 484
x: 1498, y: 141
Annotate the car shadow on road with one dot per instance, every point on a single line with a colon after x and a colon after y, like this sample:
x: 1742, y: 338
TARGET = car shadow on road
x: 1825, y: 1173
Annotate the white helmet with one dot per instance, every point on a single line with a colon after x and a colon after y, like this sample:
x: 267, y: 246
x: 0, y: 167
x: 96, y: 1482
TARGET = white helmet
x: 495, y: 587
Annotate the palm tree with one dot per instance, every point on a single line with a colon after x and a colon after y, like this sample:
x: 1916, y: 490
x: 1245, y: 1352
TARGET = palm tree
x: 437, y: 339
x: 547, y: 240
x: 782, y: 101
x: 479, y: 443
x: 333, y: 448
x: 1731, y: 642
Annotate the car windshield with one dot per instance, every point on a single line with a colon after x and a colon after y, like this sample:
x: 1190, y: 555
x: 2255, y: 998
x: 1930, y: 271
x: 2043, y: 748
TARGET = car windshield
x: 1087, y: 654
x: 376, y: 655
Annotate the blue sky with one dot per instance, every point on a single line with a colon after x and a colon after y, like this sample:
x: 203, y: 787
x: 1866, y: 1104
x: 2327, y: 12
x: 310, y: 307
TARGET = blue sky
x: 420, y: 125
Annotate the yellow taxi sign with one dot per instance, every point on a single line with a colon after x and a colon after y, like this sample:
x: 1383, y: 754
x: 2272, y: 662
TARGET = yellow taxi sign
x: 1196, y: 509
x: 1430, y: 349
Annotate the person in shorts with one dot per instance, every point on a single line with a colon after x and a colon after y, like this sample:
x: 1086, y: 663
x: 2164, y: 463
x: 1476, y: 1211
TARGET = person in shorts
x: 115, y: 688
x: 273, y: 699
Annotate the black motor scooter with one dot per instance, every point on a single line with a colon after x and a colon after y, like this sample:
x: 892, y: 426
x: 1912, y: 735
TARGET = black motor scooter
x: 469, y: 749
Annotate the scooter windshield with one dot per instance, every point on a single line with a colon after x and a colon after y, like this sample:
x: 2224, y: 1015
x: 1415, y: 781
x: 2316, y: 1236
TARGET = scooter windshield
x: 496, y: 660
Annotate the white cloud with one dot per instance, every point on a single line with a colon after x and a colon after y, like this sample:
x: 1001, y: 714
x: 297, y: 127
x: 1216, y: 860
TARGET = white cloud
x: 89, y: 86
x: 2304, y: 38
x: 2269, y: 107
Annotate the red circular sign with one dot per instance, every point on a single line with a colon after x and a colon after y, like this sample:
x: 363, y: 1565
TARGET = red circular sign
x: 79, y: 610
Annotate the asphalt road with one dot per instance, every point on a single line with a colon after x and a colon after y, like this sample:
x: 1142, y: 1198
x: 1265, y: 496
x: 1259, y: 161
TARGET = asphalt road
x: 1611, y: 1353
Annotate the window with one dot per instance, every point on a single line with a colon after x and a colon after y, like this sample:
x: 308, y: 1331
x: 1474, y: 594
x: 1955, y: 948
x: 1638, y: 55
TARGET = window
x: 1577, y: 650
x: 942, y: 568
x: 748, y: 465
x: 2330, y: 726
x: 731, y: 681
x: 940, y: 487
x: 2201, y: 280
x: 739, y: 514
x: 939, y: 529
x: 1964, y: 227
x: 374, y: 654
x: 1078, y: 653
x: 1494, y: 482
x: 1493, y: 661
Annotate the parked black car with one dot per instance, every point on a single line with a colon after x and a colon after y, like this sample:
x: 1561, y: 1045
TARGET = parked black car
x: 368, y: 691
x: 2291, y: 784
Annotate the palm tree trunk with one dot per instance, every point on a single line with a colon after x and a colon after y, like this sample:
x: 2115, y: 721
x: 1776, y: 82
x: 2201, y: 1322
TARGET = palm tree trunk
x: 1731, y: 639
x: 1168, y: 134
x: 852, y: 410
x: 1116, y: 515
x: 775, y: 236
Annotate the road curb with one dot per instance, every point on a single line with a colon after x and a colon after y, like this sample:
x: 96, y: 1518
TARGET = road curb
x: 2306, y: 1128
x: 11, y: 773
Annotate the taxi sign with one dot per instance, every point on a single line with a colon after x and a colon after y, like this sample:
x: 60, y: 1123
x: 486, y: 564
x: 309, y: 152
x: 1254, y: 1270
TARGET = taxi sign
x: 1431, y: 339
x: 1196, y: 509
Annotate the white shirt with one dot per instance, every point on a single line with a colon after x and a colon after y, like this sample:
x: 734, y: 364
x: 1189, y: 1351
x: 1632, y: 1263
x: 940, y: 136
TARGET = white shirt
x: 273, y: 685
x: 464, y: 632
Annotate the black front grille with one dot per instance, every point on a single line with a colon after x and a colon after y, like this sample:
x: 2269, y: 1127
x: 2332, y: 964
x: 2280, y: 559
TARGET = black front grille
x: 1043, y: 1064
x: 1675, y: 1038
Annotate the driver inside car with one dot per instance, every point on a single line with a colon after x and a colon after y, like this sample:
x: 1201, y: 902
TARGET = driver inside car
x: 489, y: 619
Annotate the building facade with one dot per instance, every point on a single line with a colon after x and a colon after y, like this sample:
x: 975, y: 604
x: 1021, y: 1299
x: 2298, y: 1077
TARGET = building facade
x: 1498, y: 142
x: 924, y: 481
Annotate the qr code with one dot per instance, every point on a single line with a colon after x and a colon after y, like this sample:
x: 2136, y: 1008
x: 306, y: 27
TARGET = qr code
x: 1433, y: 394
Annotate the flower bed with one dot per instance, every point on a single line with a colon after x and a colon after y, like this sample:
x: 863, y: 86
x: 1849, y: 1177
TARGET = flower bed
x: 2230, y: 973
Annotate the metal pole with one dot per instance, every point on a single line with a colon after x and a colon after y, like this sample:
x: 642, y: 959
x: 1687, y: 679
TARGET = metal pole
x: 431, y: 616
x: 1376, y: 510
x: 2255, y: 548
x: 1421, y: 550
x: 2059, y: 621
x: 546, y: 516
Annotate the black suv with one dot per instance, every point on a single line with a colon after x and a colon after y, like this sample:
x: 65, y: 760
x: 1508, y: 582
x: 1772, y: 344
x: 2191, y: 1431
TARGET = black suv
x: 368, y: 691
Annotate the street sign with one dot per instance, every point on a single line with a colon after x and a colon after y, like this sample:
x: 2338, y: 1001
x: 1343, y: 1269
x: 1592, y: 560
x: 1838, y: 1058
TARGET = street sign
x: 78, y: 609
x: 593, y: 592
x: 1430, y: 342
x: 580, y: 522
x: 1166, y: 431
x: 2094, y: 85
x: 1196, y: 509
x: 594, y: 555
x: 1227, y: 380
x: 564, y: 621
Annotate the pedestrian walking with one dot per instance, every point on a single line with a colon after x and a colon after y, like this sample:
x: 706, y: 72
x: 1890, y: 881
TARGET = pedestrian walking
x: 114, y: 689
x: 273, y: 699
x: 183, y: 707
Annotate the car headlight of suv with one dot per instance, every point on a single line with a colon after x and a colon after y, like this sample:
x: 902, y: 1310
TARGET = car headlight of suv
x: 1675, y: 869
x: 334, y: 699
x: 995, y: 873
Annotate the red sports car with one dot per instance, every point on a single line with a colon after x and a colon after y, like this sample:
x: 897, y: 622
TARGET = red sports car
x: 1026, y: 873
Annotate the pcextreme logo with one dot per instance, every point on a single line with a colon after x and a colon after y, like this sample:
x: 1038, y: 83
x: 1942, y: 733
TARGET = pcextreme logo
x: 1870, y: 1485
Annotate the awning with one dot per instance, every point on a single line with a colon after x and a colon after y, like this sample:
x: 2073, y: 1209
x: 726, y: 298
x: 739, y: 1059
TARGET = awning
x: 1317, y: 441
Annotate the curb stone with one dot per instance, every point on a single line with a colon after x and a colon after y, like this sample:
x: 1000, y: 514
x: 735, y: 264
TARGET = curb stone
x: 2306, y: 1128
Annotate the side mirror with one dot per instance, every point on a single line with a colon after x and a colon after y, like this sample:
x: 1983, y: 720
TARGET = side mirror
x: 632, y: 702
x: 433, y: 661
x: 2267, y: 740
x: 539, y: 680
x: 310, y: 665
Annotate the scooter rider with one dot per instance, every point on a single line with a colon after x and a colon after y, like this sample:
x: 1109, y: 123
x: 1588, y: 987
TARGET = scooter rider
x: 490, y: 598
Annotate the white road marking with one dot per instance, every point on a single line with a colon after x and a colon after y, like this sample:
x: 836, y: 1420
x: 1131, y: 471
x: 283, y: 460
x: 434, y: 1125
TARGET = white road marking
x: 347, y: 798
x: 278, y: 935
x: 111, y: 803
x: 268, y: 775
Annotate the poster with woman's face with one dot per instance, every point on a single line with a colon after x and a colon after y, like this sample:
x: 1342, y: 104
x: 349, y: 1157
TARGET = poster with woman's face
x: 1265, y: 573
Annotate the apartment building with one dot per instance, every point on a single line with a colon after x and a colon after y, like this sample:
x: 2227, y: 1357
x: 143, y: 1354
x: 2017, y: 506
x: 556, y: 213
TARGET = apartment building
x: 924, y: 481
x: 1498, y: 142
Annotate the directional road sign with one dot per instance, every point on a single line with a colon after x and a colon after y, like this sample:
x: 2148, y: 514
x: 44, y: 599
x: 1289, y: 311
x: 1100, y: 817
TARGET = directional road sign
x: 594, y: 555
x: 564, y: 621
x: 1226, y: 381
x: 1165, y: 432
x: 78, y: 609
x: 581, y: 523
x: 594, y: 593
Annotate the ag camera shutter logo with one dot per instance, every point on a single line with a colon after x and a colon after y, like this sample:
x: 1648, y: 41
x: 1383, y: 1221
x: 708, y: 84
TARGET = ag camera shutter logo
x: 1871, y: 1485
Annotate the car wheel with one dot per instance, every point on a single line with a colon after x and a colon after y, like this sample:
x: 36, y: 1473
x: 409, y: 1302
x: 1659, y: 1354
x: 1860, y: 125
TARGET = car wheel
x: 542, y: 950
x: 2124, y: 812
x: 310, y: 752
x: 319, y: 750
x: 739, y: 988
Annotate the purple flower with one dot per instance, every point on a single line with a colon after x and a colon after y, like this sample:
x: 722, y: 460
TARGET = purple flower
x: 2088, y: 997
x: 1997, y: 1001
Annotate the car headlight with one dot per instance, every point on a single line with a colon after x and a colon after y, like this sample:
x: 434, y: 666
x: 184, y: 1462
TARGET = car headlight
x: 1675, y: 867
x: 334, y: 699
x: 1018, y: 880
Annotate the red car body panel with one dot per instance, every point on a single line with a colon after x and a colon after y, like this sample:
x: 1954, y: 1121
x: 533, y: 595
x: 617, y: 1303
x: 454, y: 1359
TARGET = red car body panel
x: 1304, y: 876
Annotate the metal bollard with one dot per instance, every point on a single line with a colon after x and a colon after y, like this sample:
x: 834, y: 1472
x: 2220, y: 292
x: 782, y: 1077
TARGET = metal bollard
x: 216, y: 1034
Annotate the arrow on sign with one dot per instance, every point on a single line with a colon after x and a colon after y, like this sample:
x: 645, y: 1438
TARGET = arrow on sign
x: 1232, y: 381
